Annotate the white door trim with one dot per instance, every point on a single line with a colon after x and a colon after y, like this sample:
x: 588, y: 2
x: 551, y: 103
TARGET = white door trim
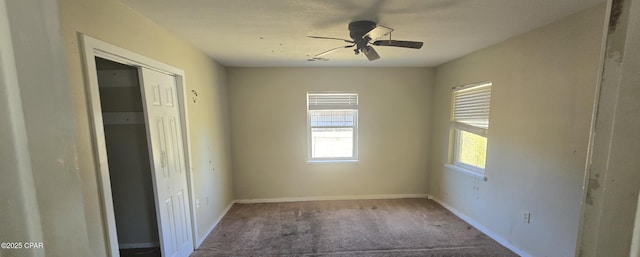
x: 93, y: 48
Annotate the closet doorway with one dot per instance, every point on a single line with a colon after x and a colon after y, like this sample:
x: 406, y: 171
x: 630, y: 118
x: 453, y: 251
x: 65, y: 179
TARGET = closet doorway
x: 137, y: 106
x: 128, y: 157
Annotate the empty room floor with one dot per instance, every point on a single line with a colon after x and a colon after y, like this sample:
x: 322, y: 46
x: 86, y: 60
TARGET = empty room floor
x: 392, y: 227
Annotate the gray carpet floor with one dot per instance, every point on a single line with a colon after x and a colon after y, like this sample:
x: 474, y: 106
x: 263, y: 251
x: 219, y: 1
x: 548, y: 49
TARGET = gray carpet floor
x: 393, y: 227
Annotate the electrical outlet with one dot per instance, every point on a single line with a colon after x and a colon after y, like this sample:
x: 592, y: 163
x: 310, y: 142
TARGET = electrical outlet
x: 526, y: 217
x: 197, y: 203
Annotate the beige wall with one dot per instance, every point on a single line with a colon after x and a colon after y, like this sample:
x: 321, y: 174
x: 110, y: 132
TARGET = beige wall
x: 40, y: 190
x: 269, y: 138
x: 115, y: 23
x: 542, y: 96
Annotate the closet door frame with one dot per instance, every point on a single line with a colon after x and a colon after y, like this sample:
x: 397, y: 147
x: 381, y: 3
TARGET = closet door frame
x: 93, y: 48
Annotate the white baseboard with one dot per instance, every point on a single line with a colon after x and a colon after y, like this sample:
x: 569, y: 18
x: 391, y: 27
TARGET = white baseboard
x: 214, y: 225
x: 138, y: 245
x: 483, y: 229
x: 329, y: 198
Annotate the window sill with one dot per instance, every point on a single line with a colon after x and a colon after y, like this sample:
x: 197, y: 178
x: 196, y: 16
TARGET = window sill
x: 465, y: 171
x: 330, y: 161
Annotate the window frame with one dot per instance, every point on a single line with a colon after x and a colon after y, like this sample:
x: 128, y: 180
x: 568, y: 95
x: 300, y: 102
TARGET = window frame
x: 456, y: 150
x: 354, y: 157
x: 456, y: 129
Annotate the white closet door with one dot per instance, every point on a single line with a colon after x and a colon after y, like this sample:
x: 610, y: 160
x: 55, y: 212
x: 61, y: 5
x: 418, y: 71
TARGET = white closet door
x: 168, y: 163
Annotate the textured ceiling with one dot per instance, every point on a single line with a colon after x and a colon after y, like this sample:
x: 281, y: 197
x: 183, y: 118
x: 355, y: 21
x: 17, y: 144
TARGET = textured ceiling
x: 274, y: 32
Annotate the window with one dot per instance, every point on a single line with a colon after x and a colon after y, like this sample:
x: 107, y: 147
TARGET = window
x: 332, y: 126
x: 469, y: 126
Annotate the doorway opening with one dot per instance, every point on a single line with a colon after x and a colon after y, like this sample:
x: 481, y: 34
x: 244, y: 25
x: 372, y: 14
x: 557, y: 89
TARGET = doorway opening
x: 128, y: 157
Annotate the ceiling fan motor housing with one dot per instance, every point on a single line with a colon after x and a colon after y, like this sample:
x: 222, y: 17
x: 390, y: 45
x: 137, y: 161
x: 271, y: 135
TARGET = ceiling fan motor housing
x: 358, y: 29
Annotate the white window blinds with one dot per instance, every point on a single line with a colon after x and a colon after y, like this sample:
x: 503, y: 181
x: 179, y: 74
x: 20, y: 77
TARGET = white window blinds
x: 333, y: 101
x: 332, y: 119
x: 471, y: 108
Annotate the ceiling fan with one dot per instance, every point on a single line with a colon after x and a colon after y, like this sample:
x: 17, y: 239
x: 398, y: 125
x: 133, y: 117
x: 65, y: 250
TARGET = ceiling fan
x: 363, y: 35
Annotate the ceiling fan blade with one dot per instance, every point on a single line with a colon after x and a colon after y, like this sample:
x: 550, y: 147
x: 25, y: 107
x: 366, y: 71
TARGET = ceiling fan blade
x: 399, y: 43
x: 377, y: 32
x: 332, y: 50
x: 371, y: 53
x: 334, y: 38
